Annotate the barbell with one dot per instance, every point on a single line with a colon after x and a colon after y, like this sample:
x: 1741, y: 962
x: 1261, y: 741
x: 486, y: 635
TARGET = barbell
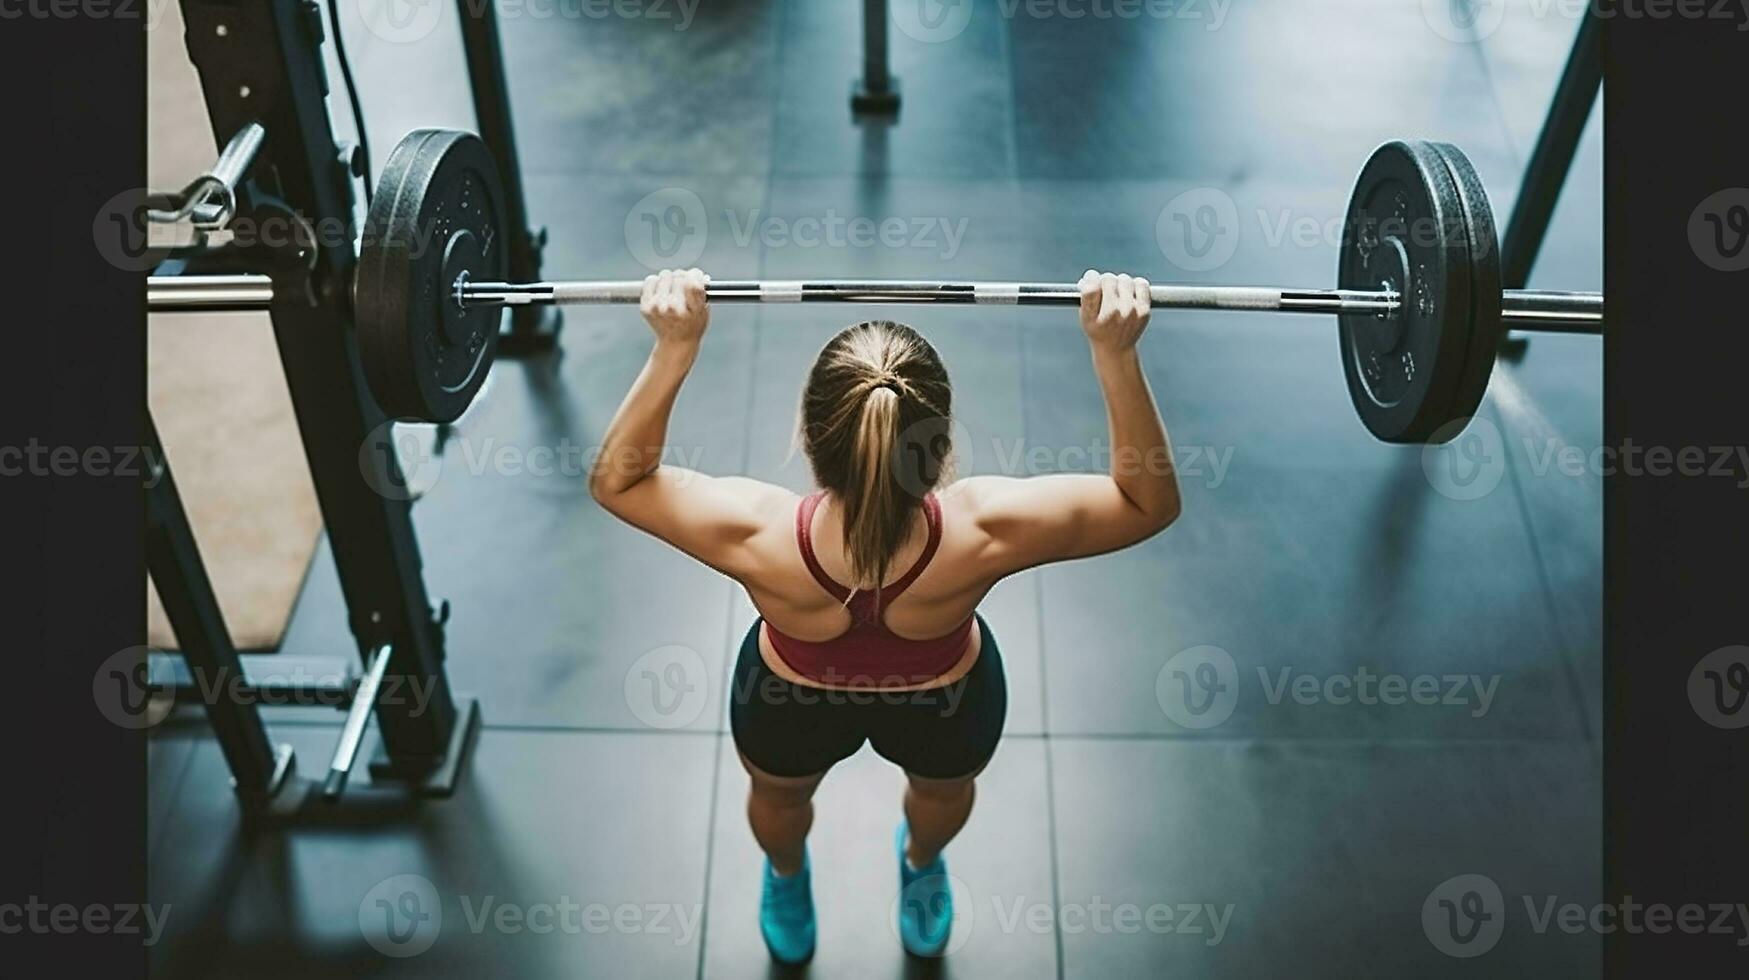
x: 1419, y: 303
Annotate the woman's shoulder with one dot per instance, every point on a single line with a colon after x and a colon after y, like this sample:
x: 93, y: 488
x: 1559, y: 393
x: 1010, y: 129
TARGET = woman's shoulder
x: 764, y: 499
x: 970, y: 496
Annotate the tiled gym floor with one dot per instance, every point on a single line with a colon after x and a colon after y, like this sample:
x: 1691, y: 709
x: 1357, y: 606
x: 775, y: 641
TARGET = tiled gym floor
x: 1309, y: 834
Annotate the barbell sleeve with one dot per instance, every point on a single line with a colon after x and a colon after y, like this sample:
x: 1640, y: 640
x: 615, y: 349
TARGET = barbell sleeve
x: 1524, y: 309
x: 217, y: 294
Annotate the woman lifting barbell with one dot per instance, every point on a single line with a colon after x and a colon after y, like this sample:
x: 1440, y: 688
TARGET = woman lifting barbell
x: 867, y: 590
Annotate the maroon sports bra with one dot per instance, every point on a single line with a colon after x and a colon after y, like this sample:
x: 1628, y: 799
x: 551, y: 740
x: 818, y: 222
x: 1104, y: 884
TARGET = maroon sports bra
x: 868, y: 651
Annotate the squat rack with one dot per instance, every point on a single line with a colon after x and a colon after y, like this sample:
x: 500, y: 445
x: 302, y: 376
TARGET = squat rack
x: 262, y: 77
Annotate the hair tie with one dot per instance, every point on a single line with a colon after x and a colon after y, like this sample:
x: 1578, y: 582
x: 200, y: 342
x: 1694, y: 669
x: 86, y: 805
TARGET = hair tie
x: 888, y: 380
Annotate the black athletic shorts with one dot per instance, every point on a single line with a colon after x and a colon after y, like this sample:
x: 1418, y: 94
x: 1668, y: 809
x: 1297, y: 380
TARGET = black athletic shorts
x: 792, y: 730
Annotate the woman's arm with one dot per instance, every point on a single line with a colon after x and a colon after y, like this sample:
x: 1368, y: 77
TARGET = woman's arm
x: 710, y: 518
x: 1051, y: 518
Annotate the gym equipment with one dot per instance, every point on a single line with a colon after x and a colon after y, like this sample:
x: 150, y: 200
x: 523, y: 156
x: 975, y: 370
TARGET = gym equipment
x: 436, y: 218
x: 1418, y: 295
x: 210, y: 200
x: 876, y: 92
x: 1544, y: 175
x: 265, y: 88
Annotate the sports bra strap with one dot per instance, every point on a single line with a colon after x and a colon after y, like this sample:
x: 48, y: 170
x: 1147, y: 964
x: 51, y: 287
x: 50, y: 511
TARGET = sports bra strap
x: 805, y: 540
x: 931, y: 516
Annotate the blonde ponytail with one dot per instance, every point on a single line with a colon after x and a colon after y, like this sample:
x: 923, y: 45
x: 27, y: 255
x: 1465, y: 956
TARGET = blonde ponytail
x: 873, y: 414
x: 877, y: 514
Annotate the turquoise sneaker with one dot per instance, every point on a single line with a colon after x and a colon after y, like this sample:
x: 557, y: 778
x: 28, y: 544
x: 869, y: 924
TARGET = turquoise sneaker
x: 925, y: 903
x: 786, y: 915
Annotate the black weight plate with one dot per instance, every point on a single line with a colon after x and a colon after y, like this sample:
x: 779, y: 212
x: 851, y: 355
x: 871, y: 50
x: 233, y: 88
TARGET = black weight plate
x: 1485, y: 286
x: 437, y: 212
x: 1405, y: 232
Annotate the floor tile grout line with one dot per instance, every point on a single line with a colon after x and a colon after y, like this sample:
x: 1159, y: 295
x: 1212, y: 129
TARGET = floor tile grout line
x: 1483, y: 66
x: 710, y: 851
x: 1044, y: 735
x: 1575, y: 685
x: 1005, y: 38
x: 181, y: 731
x: 749, y: 405
x: 181, y: 777
x: 1193, y: 738
x: 1050, y: 799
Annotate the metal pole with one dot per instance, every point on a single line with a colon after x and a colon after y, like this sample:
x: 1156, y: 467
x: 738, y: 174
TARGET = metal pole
x: 530, y: 331
x: 877, y: 91
x: 1553, y: 155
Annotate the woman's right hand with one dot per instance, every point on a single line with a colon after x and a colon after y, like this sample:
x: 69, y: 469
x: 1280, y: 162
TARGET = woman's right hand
x: 1114, y: 309
x: 676, y: 305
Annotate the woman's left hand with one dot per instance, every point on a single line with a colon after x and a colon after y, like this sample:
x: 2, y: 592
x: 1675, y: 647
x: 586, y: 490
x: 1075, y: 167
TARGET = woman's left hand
x: 675, y: 306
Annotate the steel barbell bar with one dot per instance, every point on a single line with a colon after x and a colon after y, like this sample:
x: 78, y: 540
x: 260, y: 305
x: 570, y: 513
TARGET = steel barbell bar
x: 1523, y: 309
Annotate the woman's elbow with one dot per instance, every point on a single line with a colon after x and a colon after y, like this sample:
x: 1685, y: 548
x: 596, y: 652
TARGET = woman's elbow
x: 603, y: 487
x: 1164, y: 514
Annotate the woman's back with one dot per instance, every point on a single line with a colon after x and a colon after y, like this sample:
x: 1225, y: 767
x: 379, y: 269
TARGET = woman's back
x: 943, y: 596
